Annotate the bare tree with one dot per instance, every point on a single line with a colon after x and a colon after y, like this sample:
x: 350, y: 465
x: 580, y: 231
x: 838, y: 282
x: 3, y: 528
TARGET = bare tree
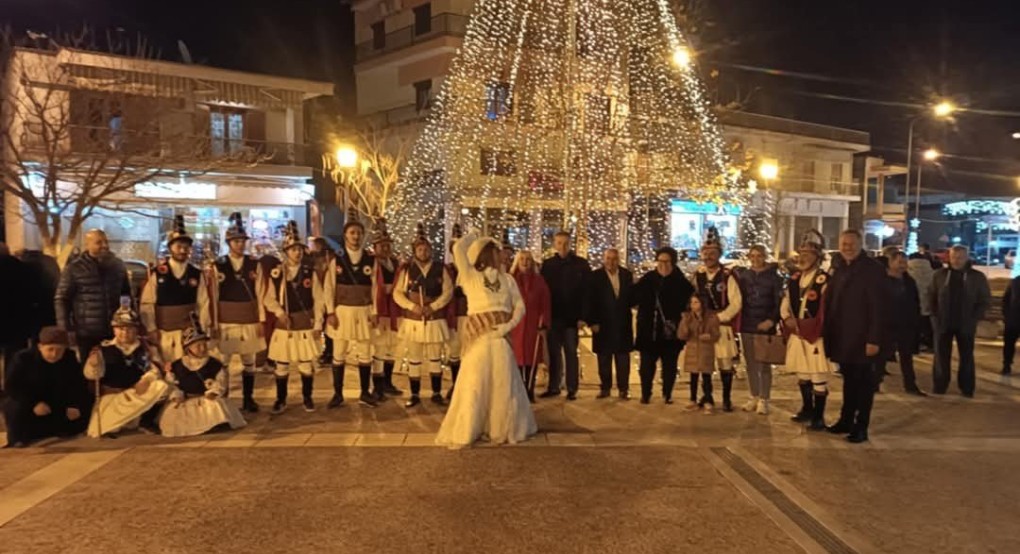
x: 369, y: 188
x: 80, y: 131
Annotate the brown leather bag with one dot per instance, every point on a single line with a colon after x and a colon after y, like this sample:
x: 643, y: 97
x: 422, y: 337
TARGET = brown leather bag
x: 769, y: 349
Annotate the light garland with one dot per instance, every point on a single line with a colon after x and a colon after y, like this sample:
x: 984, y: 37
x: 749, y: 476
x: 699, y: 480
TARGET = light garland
x: 593, y: 127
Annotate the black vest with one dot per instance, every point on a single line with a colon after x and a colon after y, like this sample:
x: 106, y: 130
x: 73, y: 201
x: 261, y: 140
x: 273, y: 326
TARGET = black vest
x: 299, y: 290
x: 192, y: 383
x: 120, y: 371
x: 171, y: 291
x: 236, y: 286
x: 388, y: 275
x: 713, y: 291
x: 432, y: 281
x: 813, y: 292
x: 350, y: 273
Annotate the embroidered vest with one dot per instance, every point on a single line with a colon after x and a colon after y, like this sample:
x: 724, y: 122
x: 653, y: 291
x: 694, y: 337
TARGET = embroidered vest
x: 192, y: 383
x: 123, y: 371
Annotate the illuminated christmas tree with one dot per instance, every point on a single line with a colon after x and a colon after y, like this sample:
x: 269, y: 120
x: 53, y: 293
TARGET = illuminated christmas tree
x: 577, y: 114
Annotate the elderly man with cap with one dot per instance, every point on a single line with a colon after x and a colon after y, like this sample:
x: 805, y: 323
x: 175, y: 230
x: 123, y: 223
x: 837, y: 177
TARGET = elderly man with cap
x: 803, y: 320
x: 384, y: 334
x: 423, y: 290
x: 198, y: 384
x: 238, y: 310
x: 295, y: 296
x: 350, y: 288
x: 130, y: 379
x: 719, y: 292
x: 174, y: 290
x: 46, y: 393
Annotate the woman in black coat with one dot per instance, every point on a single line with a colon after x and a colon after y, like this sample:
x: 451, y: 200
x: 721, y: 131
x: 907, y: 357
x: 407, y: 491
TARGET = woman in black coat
x: 661, y: 296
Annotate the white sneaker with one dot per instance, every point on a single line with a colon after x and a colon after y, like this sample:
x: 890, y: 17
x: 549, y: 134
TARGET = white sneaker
x: 763, y: 407
x: 693, y: 406
x: 751, y: 404
x: 707, y: 410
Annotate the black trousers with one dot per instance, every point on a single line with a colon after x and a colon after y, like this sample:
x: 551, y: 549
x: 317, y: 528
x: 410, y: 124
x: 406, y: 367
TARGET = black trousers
x: 905, y: 355
x: 24, y: 426
x: 965, y: 377
x: 563, y: 339
x: 666, y: 352
x: 925, y: 332
x: 859, y: 383
x: 622, y: 360
x: 1009, y: 345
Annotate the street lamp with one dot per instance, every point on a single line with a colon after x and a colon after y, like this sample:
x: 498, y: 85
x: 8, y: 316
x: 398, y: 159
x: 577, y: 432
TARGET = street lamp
x: 942, y: 110
x: 931, y: 155
x: 1016, y: 135
x: 682, y: 57
x: 347, y: 157
x: 768, y: 170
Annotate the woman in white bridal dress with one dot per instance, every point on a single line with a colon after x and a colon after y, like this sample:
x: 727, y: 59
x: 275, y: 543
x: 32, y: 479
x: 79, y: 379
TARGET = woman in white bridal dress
x: 490, y: 401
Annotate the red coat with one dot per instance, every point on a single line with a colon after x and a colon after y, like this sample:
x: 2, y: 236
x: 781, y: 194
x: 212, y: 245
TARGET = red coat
x: 537, y: 306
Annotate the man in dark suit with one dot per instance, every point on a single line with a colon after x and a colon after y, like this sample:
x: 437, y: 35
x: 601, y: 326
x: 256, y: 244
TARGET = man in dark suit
x: 609, y: 318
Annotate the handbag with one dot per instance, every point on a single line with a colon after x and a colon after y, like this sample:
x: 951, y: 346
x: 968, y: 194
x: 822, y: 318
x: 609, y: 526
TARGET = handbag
x: 769, y: 349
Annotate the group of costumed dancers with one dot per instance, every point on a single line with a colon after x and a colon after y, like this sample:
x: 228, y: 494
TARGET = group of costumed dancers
x: 173, y: 379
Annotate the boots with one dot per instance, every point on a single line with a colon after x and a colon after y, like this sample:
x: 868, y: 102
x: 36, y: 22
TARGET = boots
x: 281, y: 395
x: 306, y: 392
x: 727, y: 389
x: 338, y: 388
x: 437, y: 389
x: 454, y: 371
x: 248, y: 389
x: 818, y: 414
x: 388, y: 385
x: 807, y: 403
x: 415, y: 392
x: 378, y: 386
x: 365, y: 376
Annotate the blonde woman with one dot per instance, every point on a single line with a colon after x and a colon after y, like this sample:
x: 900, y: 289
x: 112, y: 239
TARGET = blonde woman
x: 537, y: 311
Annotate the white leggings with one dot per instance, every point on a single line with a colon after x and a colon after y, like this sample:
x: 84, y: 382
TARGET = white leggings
x: 424, y: 354
x: 304, y: 368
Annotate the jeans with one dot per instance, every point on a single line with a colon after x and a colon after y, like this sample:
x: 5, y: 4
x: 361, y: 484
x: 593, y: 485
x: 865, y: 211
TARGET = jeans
x: 622, y: 360
x: 759, y: 374
x: 943, y: 364
x: 666, y: 352
x: 563, y: 339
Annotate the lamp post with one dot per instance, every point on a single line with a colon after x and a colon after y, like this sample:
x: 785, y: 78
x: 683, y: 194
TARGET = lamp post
x: 346, y: 163
x: 768, y: 170
x: 942, y: 110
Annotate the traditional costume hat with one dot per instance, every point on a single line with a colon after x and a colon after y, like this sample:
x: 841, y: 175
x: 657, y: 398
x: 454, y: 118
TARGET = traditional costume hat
x: 813, y: 241
x: 194, y: 333
x: 380, y: 234
x: 125, y: 316
x: 236, y: 229
x: 179, y: 233
x: 419, y: 237
x: 352, y: 220
x: 292, y: 237
x: 712, y: 239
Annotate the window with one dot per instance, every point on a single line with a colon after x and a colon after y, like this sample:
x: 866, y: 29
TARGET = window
x: 423, y: 95
x: 423, y: 19
x: 836, y: 177
x: 831, y: 228
x: 497, y: 100
x: 379, y: 35
x: 498, y: 162
x: 226, y: 131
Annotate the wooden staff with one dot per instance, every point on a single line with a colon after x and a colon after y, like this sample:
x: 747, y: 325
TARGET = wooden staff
x: 533, y: 378
x: 95, y: 405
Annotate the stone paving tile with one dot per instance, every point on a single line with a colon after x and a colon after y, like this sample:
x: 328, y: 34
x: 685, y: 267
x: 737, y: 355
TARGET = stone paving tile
x: 570, y: 439
x: 282, y: 440
x: 380, y: 439
x: 331, y: 439
x: 420, y: 439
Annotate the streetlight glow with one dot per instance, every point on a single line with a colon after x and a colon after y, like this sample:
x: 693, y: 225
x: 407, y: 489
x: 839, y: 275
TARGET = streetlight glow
x: 943, y: 109
x: 347, y: 157
x: 768, y: 170
x: 1016, y: 135
x: 682, y: 57
x: 931, y: 154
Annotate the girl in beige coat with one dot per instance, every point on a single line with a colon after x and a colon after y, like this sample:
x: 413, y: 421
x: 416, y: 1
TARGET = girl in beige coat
x: 699, y: 327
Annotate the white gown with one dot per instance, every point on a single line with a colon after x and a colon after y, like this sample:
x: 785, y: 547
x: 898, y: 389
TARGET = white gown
x: 489, y: 401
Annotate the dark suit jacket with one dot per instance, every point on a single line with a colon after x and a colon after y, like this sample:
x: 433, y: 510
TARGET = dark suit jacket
x: 610, y: 312
x: 855, y: 311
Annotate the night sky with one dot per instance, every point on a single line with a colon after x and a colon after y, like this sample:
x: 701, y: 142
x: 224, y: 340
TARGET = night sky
x: 881, y: 54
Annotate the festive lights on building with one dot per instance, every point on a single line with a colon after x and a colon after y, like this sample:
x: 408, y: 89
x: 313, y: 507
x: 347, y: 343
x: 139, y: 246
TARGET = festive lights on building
x: 567, y: 113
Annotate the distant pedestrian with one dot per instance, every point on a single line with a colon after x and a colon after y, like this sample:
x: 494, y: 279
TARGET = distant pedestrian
x: 1011, y: 315
x: 566, y: 274
x: 761, y: 289
x: 610, y: 318
x: 959, y: 298
x: 921, y: 272
x: 699, y: 328
x: 904, y: 315
x: 924, y: 253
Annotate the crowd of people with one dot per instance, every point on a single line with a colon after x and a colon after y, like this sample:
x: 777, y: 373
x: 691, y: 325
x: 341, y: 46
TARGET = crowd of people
x: 163, y: 367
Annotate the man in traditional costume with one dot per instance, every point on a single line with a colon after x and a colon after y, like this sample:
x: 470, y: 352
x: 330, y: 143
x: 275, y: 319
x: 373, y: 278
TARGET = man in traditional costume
x: 196, y: 401
x: 349, y: 292
x: 423, y: 290
x: 295, y: 296
x: 720, y: 293
x: 174, y: 290
x: 384, y: 335
x: 130, y: 378
x: 803, y: 320
x: 456, y: 315
x: 238, y: 312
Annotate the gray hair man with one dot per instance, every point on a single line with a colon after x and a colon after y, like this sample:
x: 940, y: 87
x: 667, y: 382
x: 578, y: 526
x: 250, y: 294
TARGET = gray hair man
x: 959, y: 296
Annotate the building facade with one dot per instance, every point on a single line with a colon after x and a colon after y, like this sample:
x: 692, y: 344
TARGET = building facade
x: 218, y: 141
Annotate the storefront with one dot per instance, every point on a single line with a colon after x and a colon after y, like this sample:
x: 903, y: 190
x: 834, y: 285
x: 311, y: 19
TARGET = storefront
x: 690, y: 221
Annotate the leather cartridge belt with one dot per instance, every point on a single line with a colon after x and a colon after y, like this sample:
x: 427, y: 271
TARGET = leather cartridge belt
x: 174, y: 318
x: 416, y: 298
x: 300, y: 321
x: 353, y: 295
x: 238, y: 312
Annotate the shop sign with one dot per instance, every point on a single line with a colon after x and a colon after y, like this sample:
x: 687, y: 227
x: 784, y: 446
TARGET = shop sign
x: 176, y: 191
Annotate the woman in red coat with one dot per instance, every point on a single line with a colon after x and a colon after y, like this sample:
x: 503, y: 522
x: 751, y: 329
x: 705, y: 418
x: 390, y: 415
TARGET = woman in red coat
x: 536, y: 316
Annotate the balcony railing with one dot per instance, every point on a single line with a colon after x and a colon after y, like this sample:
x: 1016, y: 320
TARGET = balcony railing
x: 175, y: 148
x: 789, y: 126
x: 448, y: 24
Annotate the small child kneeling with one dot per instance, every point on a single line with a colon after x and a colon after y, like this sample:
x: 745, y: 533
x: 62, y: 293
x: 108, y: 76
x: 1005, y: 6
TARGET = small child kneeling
x: 699, y: 327
x: 198, y: 383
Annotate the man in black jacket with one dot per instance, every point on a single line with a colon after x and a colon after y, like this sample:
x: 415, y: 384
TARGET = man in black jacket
x: 609, y: 316
x: 661, y: 296
x: 905, y: 314
x: 959, y: 298
x: 855, y: 332
x: 89, y: 293
x: 566, y: 274
x: 14, y: 306
x: 48, y: 394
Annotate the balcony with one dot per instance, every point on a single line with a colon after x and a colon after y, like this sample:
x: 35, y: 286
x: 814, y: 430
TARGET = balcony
x: 815, y: 186
x: 445, y: 24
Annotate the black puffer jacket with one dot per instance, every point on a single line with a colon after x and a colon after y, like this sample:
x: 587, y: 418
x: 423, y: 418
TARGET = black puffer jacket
x: 88, y: 294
